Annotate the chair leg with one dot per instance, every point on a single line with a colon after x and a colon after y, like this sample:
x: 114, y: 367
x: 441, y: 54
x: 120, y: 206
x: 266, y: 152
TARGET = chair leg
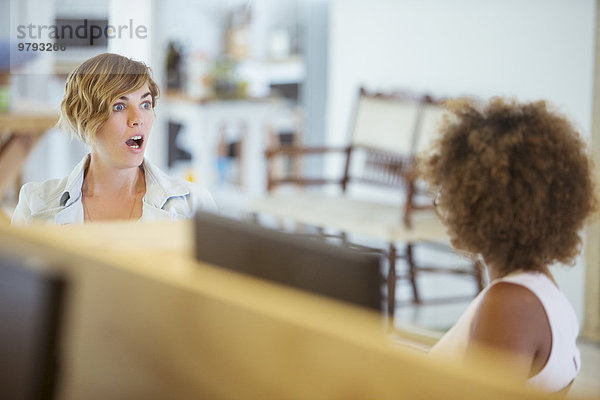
x: 321, y: 232
x: 391, y: 281
x: 253, y: 218
x: 412, y: 273
x: 344, y: 238
x: 280, y: 224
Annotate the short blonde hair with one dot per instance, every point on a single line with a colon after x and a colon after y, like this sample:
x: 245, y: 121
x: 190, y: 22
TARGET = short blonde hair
x: 94, y: 86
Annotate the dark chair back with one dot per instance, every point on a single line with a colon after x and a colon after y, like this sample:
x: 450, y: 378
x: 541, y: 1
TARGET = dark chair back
x: 30, y: 311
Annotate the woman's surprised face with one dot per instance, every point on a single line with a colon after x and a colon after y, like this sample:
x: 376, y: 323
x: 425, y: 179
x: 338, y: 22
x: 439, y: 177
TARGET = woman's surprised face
x: 121, y: 141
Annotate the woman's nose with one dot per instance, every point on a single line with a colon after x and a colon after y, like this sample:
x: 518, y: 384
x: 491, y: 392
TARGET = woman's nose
x: 134, y: 117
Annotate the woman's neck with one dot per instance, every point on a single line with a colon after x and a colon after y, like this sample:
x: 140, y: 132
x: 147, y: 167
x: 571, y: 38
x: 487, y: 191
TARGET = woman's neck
x: 494, y: 272
x: 102, y: 179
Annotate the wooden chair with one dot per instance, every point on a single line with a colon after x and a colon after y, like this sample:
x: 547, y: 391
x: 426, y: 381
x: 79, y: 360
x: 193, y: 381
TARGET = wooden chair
x: 287, y: 132
x: 379, y: 195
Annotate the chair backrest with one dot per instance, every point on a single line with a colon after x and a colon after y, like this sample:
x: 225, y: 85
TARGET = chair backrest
x: 385, y: 122
x: 382, y: 138
x: 430, y: 118
x: 31, y: 303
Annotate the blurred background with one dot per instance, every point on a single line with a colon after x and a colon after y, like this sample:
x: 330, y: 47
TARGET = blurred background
x: 239, y: 76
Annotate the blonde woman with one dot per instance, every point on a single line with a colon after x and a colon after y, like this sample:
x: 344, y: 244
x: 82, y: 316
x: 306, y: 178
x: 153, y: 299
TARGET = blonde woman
x: 109, y: 104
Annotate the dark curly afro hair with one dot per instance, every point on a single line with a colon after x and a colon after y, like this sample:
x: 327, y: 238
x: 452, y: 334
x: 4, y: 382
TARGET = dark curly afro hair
x: 514, y: 183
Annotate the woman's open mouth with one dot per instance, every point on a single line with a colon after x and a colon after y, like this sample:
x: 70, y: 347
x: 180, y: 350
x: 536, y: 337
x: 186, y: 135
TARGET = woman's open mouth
x: 135, y: 142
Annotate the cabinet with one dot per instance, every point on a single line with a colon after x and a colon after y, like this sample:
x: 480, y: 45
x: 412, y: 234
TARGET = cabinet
x: 226, y: 141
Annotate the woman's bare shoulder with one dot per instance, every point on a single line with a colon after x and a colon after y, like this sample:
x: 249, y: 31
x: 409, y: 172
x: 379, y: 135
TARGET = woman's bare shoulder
x: 511, y: 317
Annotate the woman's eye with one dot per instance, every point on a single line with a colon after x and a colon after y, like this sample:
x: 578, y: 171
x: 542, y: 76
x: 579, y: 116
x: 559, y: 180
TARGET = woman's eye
x: 118, y: 107
x: 146, y: 105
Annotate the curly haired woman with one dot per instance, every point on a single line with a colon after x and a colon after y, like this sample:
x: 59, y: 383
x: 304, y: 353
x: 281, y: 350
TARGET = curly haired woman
x: 515, y: 188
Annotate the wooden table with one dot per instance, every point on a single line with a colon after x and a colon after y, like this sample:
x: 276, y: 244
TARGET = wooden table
x: 144, y: 320
x: 20, y: 131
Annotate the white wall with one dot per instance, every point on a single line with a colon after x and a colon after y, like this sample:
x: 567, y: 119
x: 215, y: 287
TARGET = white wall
x: 533, y: 49
x: 135, y: 15
x: 530, y: 49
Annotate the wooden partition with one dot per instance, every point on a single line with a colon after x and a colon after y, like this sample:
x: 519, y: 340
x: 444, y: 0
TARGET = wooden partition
x: 144, y: 320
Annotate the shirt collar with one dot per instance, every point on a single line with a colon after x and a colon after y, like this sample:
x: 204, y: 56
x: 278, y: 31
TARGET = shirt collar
x: 72, y: 191
x: 159, y: 186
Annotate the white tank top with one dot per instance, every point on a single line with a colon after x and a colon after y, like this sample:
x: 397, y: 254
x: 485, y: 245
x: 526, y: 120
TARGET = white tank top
x: 564, y: 361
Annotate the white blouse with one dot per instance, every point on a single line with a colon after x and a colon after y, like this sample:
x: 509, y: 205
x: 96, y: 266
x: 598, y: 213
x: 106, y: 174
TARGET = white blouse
x: 564, y: 361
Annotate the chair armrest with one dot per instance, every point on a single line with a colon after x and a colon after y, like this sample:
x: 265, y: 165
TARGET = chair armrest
x: 299, y: 151
x: 296, y: 152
